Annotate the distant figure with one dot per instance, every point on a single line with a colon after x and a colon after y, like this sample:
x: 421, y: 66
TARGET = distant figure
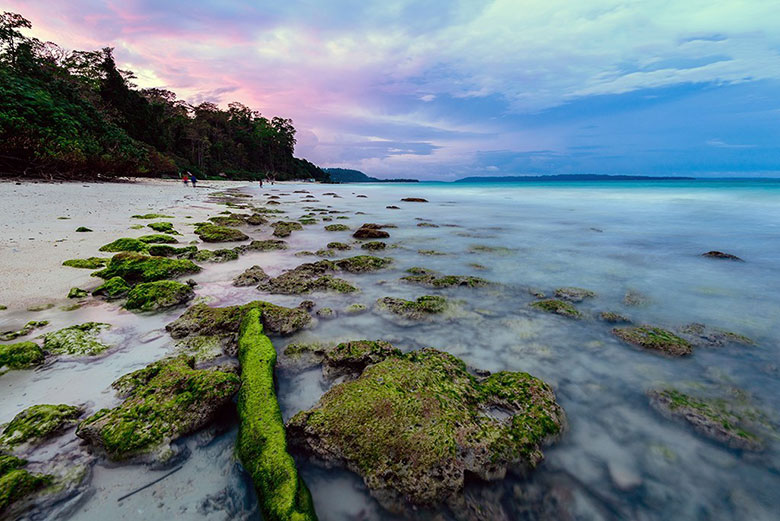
x: 261, y: 182
x: 185, y: 177
x: 193, y: 179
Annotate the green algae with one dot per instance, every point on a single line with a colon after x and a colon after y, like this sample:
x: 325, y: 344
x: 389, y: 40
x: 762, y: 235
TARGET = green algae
x: 307, y: 278
x: 557, y: 307
x: 25, y: 330
x: 614, y: 318
x: 228, y: 220
x: 336, y: 228
x: 285, y: 228
x: 77, y: 293
x: 414, y: 309
x: 325, y: 253
x: 221, y: 255
x: 113, y: 288
x: 41, y: 307
x: 160, y: 294
x: 17, y: 483
x: 373, y: 245
x: 163, y: 227
x: 135, y: 267
x: 79, y: 340
x: 413, y: 425
x: 165, y: 400
x: 166, y: 250
x: 125, y: 244
x: 213, y: 233
x: 355, y: 309
x: 655, y: 339
x: 362, y: 263
x: 39, y: 422
x: 267, y: 245
x: 157, y: 238
x: 252, y: 276
x: 339, y: 246
x: 22, y: 355
x: 429, y: 278
x: 92, y: 263
x: 261, y: 443
x: 153, y: 216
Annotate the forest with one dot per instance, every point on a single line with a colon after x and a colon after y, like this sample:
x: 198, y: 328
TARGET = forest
x: 74, y: 114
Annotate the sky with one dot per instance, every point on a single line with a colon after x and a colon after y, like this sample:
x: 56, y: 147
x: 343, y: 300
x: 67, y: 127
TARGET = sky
x: 445, y: 89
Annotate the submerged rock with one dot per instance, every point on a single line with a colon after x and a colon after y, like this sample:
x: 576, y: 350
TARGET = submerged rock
x: 251, y: 277
x: 419, y: 309
x: 414, y: 425
x: 92, y: 263
x: 214, y: 233
x: 28, y: 328
x: 136, y: 267
x: 261, y: 442
x: 113, y: 288
x: 370, y: 231
x: 558, y: 307
x: 362, y: 263
x: 655, y: 339
x: 160, y: 294
x: 336, y: 228
x: 22, y: 355
x: 414, y: 200
x: 425, y: 277
x: 614, y: 318
x: 38, y: 423
x: 221, y: 255
x: 79, y: 340
x: 267, y: 245
x: 285, y: 228
x: 706, y: 336
x: 712, y: 418
x: 77, y: 293
x: 164, y: 401
x: 720, y: 255
x: 307, y: 278
x: 635, y: 299
x: 573, y: 294
x: 153, y: 216
x: 165, y: 250
x: 339, y: 246
x: 373, y: 245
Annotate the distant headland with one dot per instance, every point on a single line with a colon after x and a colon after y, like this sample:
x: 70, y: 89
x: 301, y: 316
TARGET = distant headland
x: 569, y: 177
x: 345, y: 175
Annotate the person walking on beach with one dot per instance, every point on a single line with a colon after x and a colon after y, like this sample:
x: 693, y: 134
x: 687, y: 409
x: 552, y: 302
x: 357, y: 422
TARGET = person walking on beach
x: 185, y: 177
x: 193, y: 179
x: 261, y: 182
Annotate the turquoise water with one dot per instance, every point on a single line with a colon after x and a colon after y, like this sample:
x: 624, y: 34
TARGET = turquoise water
x: 619, y: 459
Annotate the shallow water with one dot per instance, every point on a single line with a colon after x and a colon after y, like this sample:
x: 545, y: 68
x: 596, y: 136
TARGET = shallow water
x: 619, y: 459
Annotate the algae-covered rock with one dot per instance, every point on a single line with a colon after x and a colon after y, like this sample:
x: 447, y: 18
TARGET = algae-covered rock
x: 336, y: 228
x: 373, y: 245
x: 113, y: 288
x: 125, y: 244
x: 163, y: 227
x: 614, y: 318
x: 22, y: 355
x: 414, y: 425
x: 214, y: 233
x: 228, y: 220
x: 267, y: 245
x: 706, y: 336
x: 38, y: 423
x: 77, y: 293
x: 153, y: 216
x: 158, y: 238
x: 261, y: 443
x: 351, y: 358
x: 362, y: 263
x: 419, y: 309
x: 83, y: 229
x: 655, y: 339
x: 325, y: 253
x: 221, y: 255
x: 307, y: 278
x: 285, y: 228
x: 160, y: 294
x: 558, y: 307
x: 136, y: 267
x: 79, y: 340
x: 355, y: 309
x: 164, y: 401
x: 339, y: 246
x: 92, y: 263
x: 251, y: 277
x: 16, y: 483
x: 429, y: 278
x: 28, y: 328
x: 370, y: 231
x: 166, y: 250
x: 713, y: 418
x: 573, y: 294
x: 635, y: 299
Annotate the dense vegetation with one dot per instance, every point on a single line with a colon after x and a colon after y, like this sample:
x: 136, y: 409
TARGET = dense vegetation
x: 75, y: 114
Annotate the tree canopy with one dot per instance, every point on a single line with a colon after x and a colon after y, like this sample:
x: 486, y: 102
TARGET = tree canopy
x: 75, y: 114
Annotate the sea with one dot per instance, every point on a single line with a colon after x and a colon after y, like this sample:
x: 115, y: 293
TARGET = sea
x: 619, y: 457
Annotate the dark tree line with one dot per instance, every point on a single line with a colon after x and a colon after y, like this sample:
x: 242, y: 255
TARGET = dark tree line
x: 75, y: 114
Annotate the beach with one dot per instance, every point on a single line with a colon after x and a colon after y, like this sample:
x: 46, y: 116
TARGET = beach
x: 633, y: 249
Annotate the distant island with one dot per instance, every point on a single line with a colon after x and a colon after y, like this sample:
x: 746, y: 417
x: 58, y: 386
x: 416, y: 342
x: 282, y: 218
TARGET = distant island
x: 345, y: 175
x: 568, y: 177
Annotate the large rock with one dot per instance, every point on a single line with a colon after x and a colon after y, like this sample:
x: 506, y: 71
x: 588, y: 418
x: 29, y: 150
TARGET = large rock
x: 413, y: 426
x: 164, y: 401
x: 136, y: 267
x: 39, y: 422
x: 215, y: 233
x: 22, y: 355
x: 160, y: 294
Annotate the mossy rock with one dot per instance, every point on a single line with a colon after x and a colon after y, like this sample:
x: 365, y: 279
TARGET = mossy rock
x: 307, y: 220
x: 92, y: 263
x: 614, y: 318
x: 164, y: 401
x: 77, y: 293
x: 362, y: 263
x: 573, y: 294
x: 706, y: 336
x: 307, y: 278
x: 370, y: 231
x: 79, y: 340
x: 113, y: 288
x: 22, y: 355
x: 16, y: 483
x: 714, y: 418
x: 38, y: 423
x: 261, y: 442
x: 654, y: 339
x: 227, y: 220
x: 414, y: 426
x: 325, y: 253
x: 251, y: 277
x: 153, y: 216
x: 337, y: 228
x: 557, y: 307
x: 419, y: 309
x: 126, y: 244
x: 431, y: 253
x: 373, y: 245
x: 160, y: 294
x: 215, y: 233
x: 157, y: 238
x: 500, y: 250
x: 430, y: 279
x: 135, y: 268
x: 28, y: 328
x: 285, y: 228
x: 267, y: 245
x: 339, y: 246
x: 355, y: 309
x: 221, y: 255
x: 83, y: 229
x: 256, y: 219
x: 166, y: 250
x: 163, y: 227
x: 351, y: 358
